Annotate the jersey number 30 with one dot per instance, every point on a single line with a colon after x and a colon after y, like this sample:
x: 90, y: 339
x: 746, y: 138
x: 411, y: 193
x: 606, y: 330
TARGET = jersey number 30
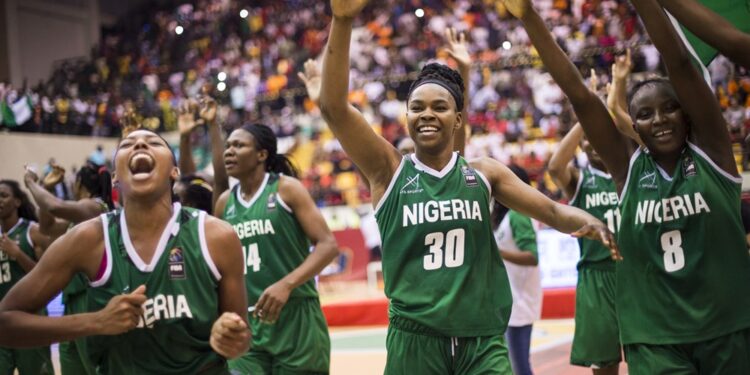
x: 674, y: 256
x: 252, y: 258
x: 445, y: 248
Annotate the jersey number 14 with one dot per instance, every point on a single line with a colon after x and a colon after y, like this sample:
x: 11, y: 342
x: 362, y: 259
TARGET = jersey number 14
x: 445, y: 249
x: 252, y: 258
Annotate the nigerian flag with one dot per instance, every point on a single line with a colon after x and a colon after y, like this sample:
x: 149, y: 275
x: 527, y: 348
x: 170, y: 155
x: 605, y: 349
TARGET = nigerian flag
x: 16, y: 113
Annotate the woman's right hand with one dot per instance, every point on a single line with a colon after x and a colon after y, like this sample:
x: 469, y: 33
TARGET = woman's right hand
x: 347, y: 8
x: 122, y: 313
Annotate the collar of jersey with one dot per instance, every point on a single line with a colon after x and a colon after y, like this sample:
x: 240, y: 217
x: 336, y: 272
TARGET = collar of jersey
x: 257, y: 194
x: 439, y: 174
x: 170, y: 229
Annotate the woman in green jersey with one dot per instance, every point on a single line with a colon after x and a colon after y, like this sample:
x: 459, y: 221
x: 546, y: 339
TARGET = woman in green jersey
x: 682, y: 289
x: 21, y: 246
x: 166, y: 291
x: 93, y: 196
x: 449, y: 293
x: 277, y: 222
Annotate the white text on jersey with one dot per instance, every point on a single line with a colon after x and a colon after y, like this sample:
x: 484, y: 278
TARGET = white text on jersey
x: 668, y: 209
x: 164, y: 307
x: 434, y: 211
x: 602, y: 198
x: 253, y: 227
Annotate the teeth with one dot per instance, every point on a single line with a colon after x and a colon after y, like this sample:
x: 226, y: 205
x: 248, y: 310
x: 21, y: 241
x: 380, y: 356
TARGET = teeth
x: 428, y: 129
x: 663, y: 132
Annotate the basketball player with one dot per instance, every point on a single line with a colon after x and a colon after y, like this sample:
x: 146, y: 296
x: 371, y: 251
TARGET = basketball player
x: 682, y: 290
x: 93, y: 196
x: 277, y: 220
x: 449, y: 293
x: 21, y: 246
x: 596, y: 342
x: 160, y: 277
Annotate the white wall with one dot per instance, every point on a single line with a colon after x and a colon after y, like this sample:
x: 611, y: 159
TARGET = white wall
x: 40, y: 32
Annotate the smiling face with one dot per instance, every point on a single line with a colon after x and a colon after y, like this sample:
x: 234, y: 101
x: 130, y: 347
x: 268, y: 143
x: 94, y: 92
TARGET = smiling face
x: 9, y: 204
x: 144, y: 165
x: 432, y: 118
x: 242, y: 155
x: 658, y: 119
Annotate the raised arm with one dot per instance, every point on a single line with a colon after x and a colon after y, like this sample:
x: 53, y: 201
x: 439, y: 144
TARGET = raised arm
x: 372, y: 154
x: 513, y: 193
x: 563, y: 173
x: 325, y: 248
x: 708, y: 128
x: 617, y: 97
x: 711, y: 28
x: 20, y: 324
x: 207, y: 113
x: 591, y: 112
x: 186, y: 124
x: 72, y: 211
x: 457, y: 48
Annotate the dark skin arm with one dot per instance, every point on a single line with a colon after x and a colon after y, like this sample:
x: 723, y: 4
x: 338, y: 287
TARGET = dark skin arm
x: 708, y: 128
x: 373, y: 155
x: 20, y: 324
x: 230, y: 335
x: 294, y: 194
x: 186, y: 124
x: 11, y: 248
x: 712, y: 28
x: 521, y: 258
x: 563, y: 173
x: 457, y: 49
x: 221, y: 179
x: 41, y: 241
x: 592, y: 113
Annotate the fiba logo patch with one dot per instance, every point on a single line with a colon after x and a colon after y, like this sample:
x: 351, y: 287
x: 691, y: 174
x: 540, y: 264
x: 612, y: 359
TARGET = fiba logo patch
x: 647, y: 180
x: 271, y: 203
x: 411, y: 186
x: 470, y: 178
x: 176, y: 264
x: 688, y: 167
x: 590, y: 182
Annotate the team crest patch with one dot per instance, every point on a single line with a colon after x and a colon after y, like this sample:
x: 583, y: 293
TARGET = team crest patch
x: 176, y: 264
x: 271, y: 203
x: 470, y: 178
x: 647, y: 180
x: 688, y: 167
x: 590, y: 182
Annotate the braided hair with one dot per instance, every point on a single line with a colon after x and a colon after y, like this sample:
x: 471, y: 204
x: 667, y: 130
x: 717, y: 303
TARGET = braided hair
x: 445, y: 77
x: 26, y: 210
x: 265, y: 139
x: 644, y: 83
x: 98, y: 181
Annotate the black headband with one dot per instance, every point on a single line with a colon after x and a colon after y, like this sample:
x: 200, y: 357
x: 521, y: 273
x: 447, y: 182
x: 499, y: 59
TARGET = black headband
x: 457, y: 96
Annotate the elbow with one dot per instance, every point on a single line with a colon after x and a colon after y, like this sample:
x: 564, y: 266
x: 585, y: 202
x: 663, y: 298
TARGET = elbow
x: 555, y: 171
x: 534, y: 261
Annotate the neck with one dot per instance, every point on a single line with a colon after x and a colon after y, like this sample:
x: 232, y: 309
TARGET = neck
x: 250, y: 184
x: 668, y: 162
x: 435, y: 161
x: 147, y: 217
x: 9, y: 222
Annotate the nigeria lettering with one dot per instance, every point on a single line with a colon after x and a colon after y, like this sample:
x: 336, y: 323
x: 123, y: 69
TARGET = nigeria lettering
x: 162, y: 307
x: 254, y: 227
x: 669, y: 209
x: 446, y: 210
x: 601, y: 199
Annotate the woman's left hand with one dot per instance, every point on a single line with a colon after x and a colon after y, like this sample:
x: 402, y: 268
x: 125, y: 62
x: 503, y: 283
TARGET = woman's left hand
x: 600, y: 232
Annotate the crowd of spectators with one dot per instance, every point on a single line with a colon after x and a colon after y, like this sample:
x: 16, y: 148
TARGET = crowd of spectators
x: 249, y: 52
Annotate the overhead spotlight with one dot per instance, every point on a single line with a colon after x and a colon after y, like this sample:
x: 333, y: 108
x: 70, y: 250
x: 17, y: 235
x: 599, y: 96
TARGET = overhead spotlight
x: 506, y: 45
x: 244, y: 13
x: 419, y: 12
x: 221, y: 86
x: 178, y: 30
x: 222, y: 76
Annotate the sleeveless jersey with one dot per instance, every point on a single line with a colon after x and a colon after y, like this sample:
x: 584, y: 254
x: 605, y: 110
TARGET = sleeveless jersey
x: 273, y: 241
x: 181, y: 281
x: 10, y: 270
x: 685, y: 276
x: 596, y: 194
x: 75, y: 291
x: 441, y: 265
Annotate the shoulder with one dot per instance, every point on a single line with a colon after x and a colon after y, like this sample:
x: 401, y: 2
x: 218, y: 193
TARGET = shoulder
x: 217, y: 231
x: 291, y: 189
x: 87, y: 231
x: 221, y: 202
x: 490, y: 168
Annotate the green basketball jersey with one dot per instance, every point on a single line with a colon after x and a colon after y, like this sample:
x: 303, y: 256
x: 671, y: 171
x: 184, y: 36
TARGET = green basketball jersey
x: 596, y: 194
x: 685, y: 276
x: 10, y: 270
x: 182, y: 289
x: 441, y: 265
x: 75, y: 292
x: 273, y: 241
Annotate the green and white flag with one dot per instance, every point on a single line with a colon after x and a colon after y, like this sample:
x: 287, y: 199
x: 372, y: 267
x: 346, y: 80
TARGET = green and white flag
x: 16, y: 113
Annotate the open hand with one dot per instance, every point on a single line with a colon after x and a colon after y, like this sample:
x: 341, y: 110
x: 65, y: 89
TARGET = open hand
x: 312, y: 79
x: 457, y: 47
x: 272, y: 301
x: 54, y: 177
x: 622, y: 67
x: 600, y: 232
x: 208, y: 108
x: 230, y: 336
x: 347, y: 8
x: 186, y: 116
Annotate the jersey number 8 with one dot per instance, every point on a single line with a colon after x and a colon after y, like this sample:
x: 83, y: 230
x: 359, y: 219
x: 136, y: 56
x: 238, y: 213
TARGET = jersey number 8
x: 674, y: 256
x: 452, y: 254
